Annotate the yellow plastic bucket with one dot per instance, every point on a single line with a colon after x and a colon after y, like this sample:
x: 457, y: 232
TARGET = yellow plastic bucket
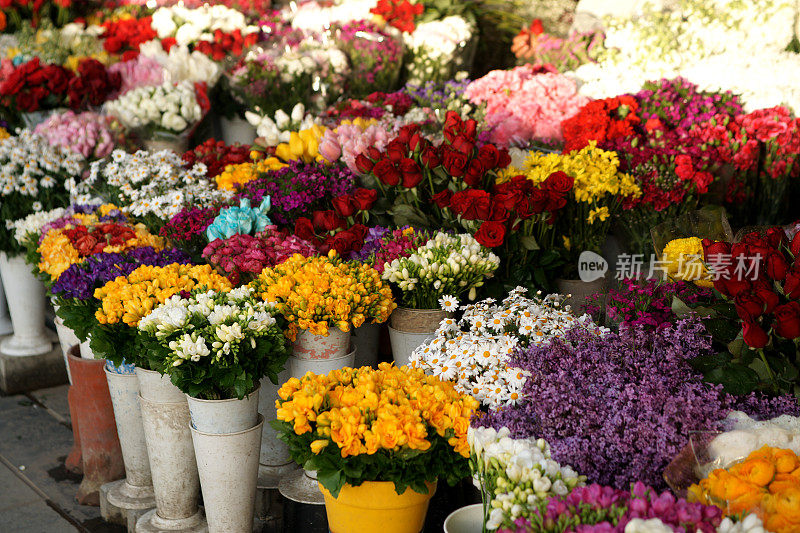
x: 375, y: 506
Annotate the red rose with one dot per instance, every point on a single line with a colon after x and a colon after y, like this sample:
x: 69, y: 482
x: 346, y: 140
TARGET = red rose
x: 167, y: 43
x: 767, y: 295
x: 304, y: 229
x: 364, y: 198
x: 360, y: 231
x: 776, y: 266
x: 749, y: 306
x: 504, y: 160
x: 442, y: 199
x: 454, y: 162
x: 27, y: 101
x: 418, y: 143
x: 363, y: 163
x: 536, y: 27
x: 489, y: 156
x: 345, y: 205
x: 463, y: 144
x: 787, y: 320
x: 385, y: 171
x: 715, y: 250
x: 472, y: 204
x: 754, y: 335
x: 491, y: 234
x: 405, y: 133
x: 396, y: 151
x: 559, y: 182
x: 794, y: 247
x: 475, y: 173
x: 499, y: 212
x: 327, y: 220
x: 555, y: 201
x: 430, y: 158
x: 344, y: 242
x: 791, y: 285
x: 412, y: 173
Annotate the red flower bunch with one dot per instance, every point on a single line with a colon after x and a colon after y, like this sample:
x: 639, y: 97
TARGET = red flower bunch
x: 101, y: 236
x: 327, y: 230
x: 123, y: 37
x: 398, y: 13
x: 33, y: 86
x: 355, y: 205
x: 601, y: 120
x: 92, y: 85
x: 376, y: 105
x: 225, y: 44
x: 216, y: 155
x: 760, y: 275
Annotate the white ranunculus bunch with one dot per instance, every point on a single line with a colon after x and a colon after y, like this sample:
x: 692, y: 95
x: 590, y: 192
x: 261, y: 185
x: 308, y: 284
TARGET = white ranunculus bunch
x: 148, y: 184
x: 446, y: 264
x: 514, y: 474
x: 170, y: 108
x: 475, y: 352
x: 437, y: 49
x: 276, y: 130
x: 182, y: 65
x: 190, y: 25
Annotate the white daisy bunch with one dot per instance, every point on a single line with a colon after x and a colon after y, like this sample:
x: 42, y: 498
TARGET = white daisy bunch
x: 475, y: 352
x: 166, y: 108
x: 31, y: 226
x: 190, y: 25
x: 182, y: 65
x: 313, y: 16
x: 437, y: 49
x: 277, y: 129
x: 148, y: 184
x: 33, y: 178
x: 446, y: 264
x: 514, y: 474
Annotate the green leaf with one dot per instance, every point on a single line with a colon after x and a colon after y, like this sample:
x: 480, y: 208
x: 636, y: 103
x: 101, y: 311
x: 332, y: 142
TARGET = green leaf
x: 735, y: 379
x: 331, y: 480
x: 706, y: 363
x: 529, y: 242
x: 723, y: 329
x: 405, y: 215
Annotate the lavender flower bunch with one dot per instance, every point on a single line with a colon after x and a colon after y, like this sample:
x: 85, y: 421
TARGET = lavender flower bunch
x: 618, y: 408
x: 298, y: 189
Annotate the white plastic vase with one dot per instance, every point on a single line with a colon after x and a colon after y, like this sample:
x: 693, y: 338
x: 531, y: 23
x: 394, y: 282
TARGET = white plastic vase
x: 468, y: 519
x: 86, y: 350
x: 365, y: 339
x: 224, y: 416
x: 5, y: 321
x: 26, y: 303
x: 312, y: 346
x: 275, y: 460
x: 404, y: 344
x: 165, y: 418
x: 237, y: 130
x: 228, y: 468
x: 298, y: 367
x: 136, y: 492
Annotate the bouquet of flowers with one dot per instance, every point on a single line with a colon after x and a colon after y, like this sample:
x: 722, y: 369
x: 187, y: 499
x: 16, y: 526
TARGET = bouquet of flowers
x: 89, y: 134
x: 765, y: 483
x: 124, y: 36
x: 376, y: 57
x: 125, y: 300
x: 205, y: 27
x: 162, y: 111
x: 447, y: 266
x: 383, y: 245
x: 33, y: 178
x: 32, y: 86
x: 317, y: 293
x: 187, y: 229
x: 235, y: 176
x: 532, y: 45
x: 149, y: 186
x: 438, y: 49
x: 241, y: 258
x: 514, y: 474
x: 357, y: 433
x: 214, y: 345
x: 350, y: 139
x: 216, y: 156
x: 475, y: 352
x: 274, y: 131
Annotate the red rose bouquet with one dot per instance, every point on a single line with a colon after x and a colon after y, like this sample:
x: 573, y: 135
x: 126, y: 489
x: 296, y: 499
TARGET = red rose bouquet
x: 216, y: 155
x: 33, y: 86
x: 124, y: 36
x: 399, y: 13
x: 600, y: 120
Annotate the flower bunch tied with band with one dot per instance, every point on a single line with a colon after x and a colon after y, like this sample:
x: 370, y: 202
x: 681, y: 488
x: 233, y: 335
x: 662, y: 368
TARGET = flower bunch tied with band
x: 390, y: 424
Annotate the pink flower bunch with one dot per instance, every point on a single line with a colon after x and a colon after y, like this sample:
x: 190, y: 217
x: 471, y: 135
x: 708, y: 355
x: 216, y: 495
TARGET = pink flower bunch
x: 241, y: 258
x: 90, y: 134
x: 139, y: 72
x: 398, y: 243
x: 348, y: 141
x: 525, y: 103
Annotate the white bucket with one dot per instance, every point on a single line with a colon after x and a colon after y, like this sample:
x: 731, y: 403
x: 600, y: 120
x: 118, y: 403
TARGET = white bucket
x: 299, y: 367
x: 404, y: 344
x: 157, y: 388
x: 26, y: 303
x: 312, y: 346
x: 468, y: 519
x: 224, y: 416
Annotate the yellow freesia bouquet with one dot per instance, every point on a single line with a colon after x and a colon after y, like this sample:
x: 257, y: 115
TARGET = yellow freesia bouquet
x: 597, y: 195
x: 315, y: 293
x: 125, y: 300
x: 390, y: 424
x: 234, y: 176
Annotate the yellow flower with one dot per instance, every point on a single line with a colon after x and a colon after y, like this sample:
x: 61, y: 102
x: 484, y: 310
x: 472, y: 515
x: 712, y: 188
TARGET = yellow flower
x: 235, y: 176
x: 599, y: 213
x: 567, y: 244
x: 683, y: 260
x: 302, y: 145
x: 4, y: 134
x: 318, y: 445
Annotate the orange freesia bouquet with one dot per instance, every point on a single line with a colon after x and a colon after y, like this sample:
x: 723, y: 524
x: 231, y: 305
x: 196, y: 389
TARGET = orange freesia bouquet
x: 391, y: 424
x: 766, y: 482
x: 315, y: 293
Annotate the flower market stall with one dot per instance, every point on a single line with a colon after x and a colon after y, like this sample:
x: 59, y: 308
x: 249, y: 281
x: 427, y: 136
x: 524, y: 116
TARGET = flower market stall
x: 409, y: 265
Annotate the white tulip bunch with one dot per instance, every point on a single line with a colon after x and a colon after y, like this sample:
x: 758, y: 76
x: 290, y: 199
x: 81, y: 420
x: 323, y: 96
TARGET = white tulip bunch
x: 475, y: 352
x: 446, y: 264
x: 514, y: 474
x: 277, y: 129
x: 436, y: 47
x: 169, y: 108
x: 182, y: 65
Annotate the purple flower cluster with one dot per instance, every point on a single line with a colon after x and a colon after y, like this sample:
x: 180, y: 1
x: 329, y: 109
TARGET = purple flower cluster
x: 619, y: 408
x: 679, y: 104
x: 437, y: 96
x: 81, y: 279
x: 373, y: 242
x: 298, y: 189
x: 599, y: 509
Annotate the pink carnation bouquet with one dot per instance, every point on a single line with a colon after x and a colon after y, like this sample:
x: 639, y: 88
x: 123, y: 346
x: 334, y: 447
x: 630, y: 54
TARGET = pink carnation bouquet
x: 90, y: 134
x: 526, y: 103
x: 241, y: 258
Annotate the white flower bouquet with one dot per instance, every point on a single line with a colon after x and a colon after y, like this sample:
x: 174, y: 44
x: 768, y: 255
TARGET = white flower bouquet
x: 514, y: 474
x: 276, y: 129
x: 34, y: 177
x: 438, y: 49
x: 189, y: 26
x: 150, y: 186
x: 445, y: 265
x: 214, y: 345
x: 162, y: 111
x: 475, y: 352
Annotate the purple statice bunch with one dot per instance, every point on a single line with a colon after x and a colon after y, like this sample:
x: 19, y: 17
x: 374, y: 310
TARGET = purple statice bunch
x: 678, y: 103
x: 373, y: 242
x: 80, y: 280
x: 619, y: 408
x: 602, y: 509
x: 646, y: 302
x: 436, y: 95
x: 298, y: 189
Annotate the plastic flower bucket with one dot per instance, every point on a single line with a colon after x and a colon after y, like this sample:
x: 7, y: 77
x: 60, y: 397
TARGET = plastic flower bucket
x: 375, y: 506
